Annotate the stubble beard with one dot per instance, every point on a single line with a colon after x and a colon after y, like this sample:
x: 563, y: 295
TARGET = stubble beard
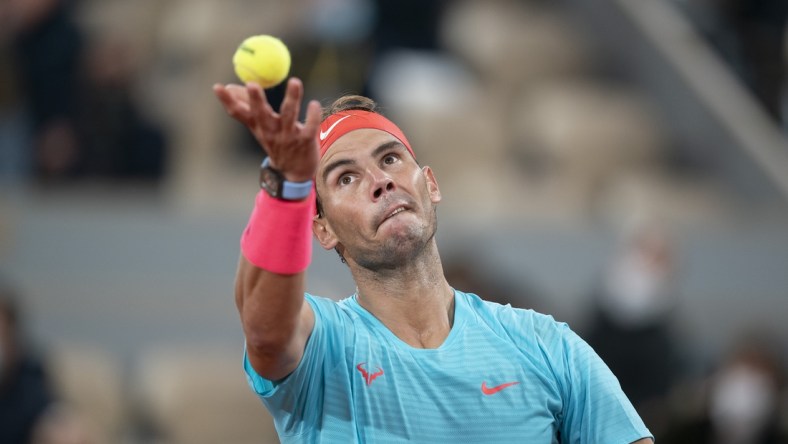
x: 399, y: 249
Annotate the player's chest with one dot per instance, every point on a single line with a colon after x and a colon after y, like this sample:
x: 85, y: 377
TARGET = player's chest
x: 480, y: 387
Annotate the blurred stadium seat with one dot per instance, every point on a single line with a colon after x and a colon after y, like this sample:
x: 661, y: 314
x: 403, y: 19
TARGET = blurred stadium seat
x: 197, y: 395
x: 89, y: 381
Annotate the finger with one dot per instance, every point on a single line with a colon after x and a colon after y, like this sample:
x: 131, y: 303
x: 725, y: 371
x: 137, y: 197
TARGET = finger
x: 313, y: 115
x: 291, y: 104
x: 238, y: 92
x: 261, y: 110
x: 220, y: 91
x: 235, y: 106
x: 255, y: 101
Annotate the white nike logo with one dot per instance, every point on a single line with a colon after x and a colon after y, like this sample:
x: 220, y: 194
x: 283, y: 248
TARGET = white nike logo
x: 323, y: 135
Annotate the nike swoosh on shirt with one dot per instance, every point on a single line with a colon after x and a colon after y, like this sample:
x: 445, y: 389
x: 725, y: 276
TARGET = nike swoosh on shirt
x: 323, y: 135
x: 493, y: 390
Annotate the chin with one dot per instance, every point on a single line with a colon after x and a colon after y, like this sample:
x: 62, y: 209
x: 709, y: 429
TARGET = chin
x: 398, y: 249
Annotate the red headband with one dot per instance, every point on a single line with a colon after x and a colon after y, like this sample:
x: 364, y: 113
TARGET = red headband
x: 341, y: 123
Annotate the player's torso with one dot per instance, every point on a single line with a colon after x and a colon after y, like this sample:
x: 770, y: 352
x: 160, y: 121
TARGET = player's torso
x: 476, y: 388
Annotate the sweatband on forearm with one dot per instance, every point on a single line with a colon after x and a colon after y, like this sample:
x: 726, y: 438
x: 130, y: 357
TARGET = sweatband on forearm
x: 278, y: 237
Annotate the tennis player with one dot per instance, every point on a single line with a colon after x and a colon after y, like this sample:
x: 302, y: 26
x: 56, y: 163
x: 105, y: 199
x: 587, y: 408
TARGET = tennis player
x: 407, y: 358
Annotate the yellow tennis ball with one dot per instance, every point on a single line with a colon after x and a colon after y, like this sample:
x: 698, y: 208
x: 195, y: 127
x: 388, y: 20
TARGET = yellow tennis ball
x: 262, y: 59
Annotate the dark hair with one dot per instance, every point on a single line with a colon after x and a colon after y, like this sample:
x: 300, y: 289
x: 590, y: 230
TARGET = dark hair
x: 349, y: 102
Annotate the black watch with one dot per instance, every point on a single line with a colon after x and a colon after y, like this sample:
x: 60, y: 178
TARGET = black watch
x: 274, y: 183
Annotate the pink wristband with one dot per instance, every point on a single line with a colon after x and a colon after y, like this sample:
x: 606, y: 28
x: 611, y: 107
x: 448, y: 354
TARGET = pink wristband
x: 278, y: 237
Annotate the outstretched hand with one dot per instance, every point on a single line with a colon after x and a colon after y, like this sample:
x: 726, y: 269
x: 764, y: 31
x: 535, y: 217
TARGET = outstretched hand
x: 291, y: 145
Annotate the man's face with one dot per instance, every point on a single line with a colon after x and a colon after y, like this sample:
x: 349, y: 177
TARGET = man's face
x: 378, y: 204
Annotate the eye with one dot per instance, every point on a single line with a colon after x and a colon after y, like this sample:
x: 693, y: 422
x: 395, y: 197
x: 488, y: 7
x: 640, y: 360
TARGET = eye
x: 389, y: 159
x: 345, y: 179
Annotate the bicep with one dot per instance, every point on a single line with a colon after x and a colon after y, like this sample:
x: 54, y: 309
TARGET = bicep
x: 278, y: 362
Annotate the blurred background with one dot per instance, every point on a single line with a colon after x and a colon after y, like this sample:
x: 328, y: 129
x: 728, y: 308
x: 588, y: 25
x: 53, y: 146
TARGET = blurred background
x: 619, y: 164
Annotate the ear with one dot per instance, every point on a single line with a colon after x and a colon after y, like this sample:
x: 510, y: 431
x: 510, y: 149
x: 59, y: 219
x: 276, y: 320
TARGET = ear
x: 323, y: 232
x: 432, y: 184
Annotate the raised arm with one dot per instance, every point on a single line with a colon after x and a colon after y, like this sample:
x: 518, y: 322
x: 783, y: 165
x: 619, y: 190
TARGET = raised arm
x: 276, y: 319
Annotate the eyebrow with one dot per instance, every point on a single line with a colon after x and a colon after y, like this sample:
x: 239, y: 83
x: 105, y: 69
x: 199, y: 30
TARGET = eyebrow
x: 381, y: 148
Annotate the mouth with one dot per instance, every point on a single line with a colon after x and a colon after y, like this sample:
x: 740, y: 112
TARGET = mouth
x: 395, y: 212
x: 397, y: 209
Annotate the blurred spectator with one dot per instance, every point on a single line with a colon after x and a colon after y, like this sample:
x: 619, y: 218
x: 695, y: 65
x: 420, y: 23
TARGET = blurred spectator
x: 24, y: 387
x: 632, y: 329
x: 116, y: 140
x: 14, y: 156
x: 63, y: 424
x: 758, y: 28
x: 47, y: 49
x: 742, y: 401
x: 83, y: 116
x: 750, y: 36
x: 411, y: 24
x: 402, y: 25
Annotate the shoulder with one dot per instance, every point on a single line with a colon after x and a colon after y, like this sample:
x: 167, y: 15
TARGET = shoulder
x: 334, y: 318
x: 329, y: 308
x: 517, y: 323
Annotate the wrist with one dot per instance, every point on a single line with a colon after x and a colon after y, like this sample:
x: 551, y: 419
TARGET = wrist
x: 297, y: 178
x: 284, y: 186
x: 288, y: 175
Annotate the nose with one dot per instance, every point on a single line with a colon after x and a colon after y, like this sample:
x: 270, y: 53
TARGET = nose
x: 381, y: 184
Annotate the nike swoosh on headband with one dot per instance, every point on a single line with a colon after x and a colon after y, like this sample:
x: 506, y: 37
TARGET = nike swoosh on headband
x: 325, y: 134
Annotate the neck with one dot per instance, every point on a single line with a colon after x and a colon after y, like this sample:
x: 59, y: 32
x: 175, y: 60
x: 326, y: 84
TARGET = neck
x: 414, y: 301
